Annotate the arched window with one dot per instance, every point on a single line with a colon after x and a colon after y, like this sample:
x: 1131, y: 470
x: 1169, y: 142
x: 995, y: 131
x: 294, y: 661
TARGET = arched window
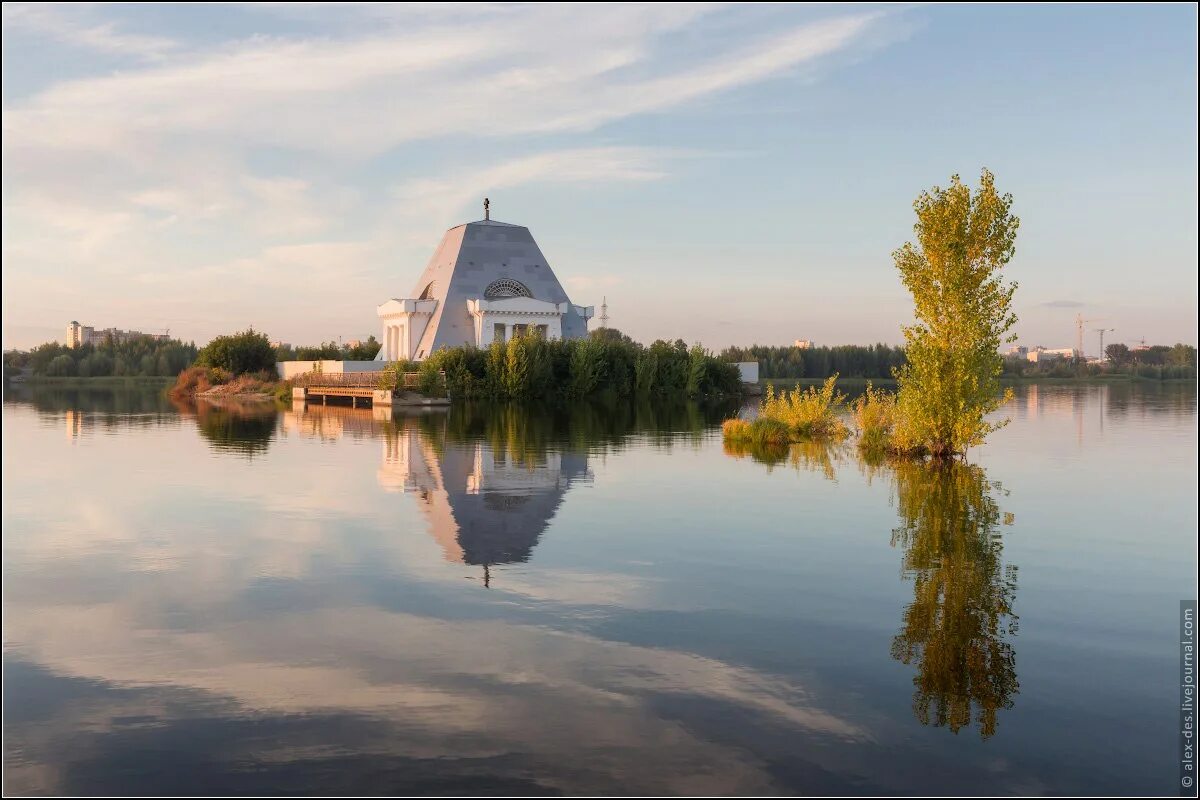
x: 506, y: 287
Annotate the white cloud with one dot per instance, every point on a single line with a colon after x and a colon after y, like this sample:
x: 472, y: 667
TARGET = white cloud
x: 68, y: 28
x: 152, y: 175
x: 542, y: 70
x: 443, y: 197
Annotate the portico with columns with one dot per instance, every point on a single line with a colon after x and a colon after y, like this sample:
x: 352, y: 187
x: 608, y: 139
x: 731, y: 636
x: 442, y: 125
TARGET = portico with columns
x: 404, y: 322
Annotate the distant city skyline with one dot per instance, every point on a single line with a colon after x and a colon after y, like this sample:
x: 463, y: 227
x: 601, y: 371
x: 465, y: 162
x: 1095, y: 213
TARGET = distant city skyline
x: 728, y: 175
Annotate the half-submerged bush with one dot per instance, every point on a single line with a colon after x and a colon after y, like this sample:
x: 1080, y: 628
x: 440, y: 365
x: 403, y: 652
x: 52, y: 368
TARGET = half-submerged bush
x: 758, y: 432
x: 874, y: 416
x: 736, y: 430
x: 796, y: 416
x: 810, y: 413
x: 883, y: 427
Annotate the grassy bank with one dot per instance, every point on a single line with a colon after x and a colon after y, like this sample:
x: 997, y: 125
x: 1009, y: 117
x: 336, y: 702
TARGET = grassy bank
x: 215, y: 383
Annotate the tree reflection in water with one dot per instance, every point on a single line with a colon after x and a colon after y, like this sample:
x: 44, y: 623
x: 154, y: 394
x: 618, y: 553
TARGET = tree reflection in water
x: 816, y: 456
x: 244, y: 428
x: 957, y: 631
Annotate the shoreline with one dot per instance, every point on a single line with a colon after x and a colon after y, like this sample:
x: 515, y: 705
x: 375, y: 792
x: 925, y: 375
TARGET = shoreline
x: 99, y: 380
x: 1005, y: 380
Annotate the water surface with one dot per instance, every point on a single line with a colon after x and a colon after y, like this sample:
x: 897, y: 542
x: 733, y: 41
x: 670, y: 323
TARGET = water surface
x: 592, y: 599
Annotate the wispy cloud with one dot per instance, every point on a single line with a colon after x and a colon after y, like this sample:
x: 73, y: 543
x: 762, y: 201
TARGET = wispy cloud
x: 444, y: 196
x: 157, y: 170
x: 358, y: 96
x: 72, y: 29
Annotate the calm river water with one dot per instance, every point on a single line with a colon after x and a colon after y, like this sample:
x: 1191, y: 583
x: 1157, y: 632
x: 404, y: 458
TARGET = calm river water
x: 504, y: 600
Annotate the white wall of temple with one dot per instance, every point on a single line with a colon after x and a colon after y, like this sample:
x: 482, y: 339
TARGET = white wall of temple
x: 489, y: 326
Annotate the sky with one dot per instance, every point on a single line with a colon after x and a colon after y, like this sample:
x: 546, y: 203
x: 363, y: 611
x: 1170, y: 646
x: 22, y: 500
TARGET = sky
x: 721, y: 174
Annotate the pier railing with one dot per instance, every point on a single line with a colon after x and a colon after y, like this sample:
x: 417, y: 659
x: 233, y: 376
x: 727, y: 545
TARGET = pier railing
x: 382, y: 379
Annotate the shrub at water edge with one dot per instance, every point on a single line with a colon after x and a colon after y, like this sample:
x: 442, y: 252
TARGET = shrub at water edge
x: 796, y: 416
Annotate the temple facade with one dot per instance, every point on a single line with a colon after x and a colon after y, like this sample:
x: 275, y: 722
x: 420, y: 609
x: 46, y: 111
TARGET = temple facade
x: 487, y: 281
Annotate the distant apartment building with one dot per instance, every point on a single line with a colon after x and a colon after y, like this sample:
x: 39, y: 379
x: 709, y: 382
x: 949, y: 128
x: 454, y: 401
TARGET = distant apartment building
x: 79, y: 335
x: 1041, y: 354
x: 1018, y: 351
x: 803, y: 344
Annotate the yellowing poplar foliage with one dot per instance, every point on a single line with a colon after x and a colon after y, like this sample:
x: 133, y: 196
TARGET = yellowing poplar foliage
x: 963, y: 313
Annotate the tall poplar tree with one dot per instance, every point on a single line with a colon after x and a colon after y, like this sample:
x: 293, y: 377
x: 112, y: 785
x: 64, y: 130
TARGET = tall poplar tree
x: 963, y: 311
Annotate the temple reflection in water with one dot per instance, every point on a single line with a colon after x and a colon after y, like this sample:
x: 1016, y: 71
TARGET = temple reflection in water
x: 487, y: 500
x: 486, y: 504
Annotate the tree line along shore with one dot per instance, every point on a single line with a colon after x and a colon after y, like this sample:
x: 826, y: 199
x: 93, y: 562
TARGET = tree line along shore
x: 784, y: 366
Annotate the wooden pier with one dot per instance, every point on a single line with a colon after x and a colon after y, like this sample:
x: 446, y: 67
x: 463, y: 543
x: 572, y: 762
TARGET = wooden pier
x: 362, y: 389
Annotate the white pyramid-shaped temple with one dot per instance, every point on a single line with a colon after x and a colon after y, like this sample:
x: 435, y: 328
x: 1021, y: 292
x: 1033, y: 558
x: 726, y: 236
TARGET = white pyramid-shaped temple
x: 488, y: 280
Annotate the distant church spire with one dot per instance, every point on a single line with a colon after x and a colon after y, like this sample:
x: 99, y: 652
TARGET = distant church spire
x: 487, y: 209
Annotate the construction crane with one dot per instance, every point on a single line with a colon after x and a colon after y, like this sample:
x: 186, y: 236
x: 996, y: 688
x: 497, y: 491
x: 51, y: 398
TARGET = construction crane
x: 1079, y: 323
x: 1103, y: 331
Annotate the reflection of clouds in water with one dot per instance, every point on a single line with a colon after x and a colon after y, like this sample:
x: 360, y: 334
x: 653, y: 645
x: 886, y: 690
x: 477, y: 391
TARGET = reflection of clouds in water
x: 161, y: 603
x: 366, y: 659
x: 471, y: 688
x: 580, y: 588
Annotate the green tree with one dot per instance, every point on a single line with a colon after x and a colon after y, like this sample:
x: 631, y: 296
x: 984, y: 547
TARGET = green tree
x: 1182, y: 355
x: 1117, y: 354
x: 610, y: 335
x: 364, y: 351
x: 61, y: 366
x: 247, y: 351
x: 963, y: 313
